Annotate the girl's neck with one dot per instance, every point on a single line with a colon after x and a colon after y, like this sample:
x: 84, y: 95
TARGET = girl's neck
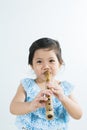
x: 42, y: 83
x: 38, y: 80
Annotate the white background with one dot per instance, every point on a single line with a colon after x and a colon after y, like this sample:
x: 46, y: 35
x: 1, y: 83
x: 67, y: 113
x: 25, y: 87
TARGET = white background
x: 22, y: 22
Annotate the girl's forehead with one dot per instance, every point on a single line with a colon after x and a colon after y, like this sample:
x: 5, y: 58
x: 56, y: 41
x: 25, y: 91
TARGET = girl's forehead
x: 44, y: 53
x: 46, y: 50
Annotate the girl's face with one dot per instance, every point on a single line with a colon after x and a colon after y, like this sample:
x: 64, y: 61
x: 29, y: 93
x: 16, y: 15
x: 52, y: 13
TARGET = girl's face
x: 44, y: 60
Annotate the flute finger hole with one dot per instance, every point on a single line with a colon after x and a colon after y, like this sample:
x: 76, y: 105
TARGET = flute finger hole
x: 48, y: 98
x: 50, y: 116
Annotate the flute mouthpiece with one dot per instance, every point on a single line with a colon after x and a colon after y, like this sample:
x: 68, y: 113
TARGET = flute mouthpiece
x: 47, y: 75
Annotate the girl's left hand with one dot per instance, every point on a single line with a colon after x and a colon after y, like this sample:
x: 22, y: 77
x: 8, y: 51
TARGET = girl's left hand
x: 56, y: 89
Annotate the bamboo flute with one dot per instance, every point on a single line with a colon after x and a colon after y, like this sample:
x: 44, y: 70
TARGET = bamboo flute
x: 49, y: 105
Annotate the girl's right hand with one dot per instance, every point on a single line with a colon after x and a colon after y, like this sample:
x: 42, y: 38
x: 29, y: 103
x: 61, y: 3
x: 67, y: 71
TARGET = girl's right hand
x: 40, y: 99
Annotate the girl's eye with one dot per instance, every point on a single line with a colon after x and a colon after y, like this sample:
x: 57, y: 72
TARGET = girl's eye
x: 39, y: 61
x: 52, y: 60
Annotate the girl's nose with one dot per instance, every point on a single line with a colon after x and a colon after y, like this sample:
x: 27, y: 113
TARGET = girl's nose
x: 45, y: 66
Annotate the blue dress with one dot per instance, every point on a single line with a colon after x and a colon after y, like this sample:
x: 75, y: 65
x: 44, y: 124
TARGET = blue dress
x: 37, y: 120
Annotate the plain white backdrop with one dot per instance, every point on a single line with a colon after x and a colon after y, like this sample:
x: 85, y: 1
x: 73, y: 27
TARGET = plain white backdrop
x: 22, y: 22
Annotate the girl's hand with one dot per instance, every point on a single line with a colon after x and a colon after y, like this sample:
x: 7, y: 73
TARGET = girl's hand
x: 40, y: 99
x: 56, y: 89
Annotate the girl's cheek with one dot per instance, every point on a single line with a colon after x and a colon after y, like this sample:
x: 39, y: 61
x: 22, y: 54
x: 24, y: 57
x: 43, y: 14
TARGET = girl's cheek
x: 38, y: 70
x: 55, y: 67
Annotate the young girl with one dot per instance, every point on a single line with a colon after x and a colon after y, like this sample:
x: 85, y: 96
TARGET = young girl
x: 29, y: 102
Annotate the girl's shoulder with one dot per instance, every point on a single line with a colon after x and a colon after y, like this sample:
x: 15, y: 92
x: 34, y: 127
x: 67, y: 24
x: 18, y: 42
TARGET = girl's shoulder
x: 27, y: 82
x: 30, y: 87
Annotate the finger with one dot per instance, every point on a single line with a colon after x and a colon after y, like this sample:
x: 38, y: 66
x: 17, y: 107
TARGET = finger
x: 49, y: 85
x: 58, y: 87
x: 53, y: 85
x: 43, y: 100
x: 55, y: 90
x: 46, y: 92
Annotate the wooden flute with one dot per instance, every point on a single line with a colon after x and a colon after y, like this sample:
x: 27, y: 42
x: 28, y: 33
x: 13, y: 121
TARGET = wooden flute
x: 49, y: 105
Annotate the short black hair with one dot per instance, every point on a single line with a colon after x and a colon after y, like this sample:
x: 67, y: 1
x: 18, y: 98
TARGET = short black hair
x: 44, y: 43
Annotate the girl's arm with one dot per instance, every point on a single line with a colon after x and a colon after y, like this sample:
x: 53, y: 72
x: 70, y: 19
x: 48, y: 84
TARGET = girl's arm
x: 18, y: 105
x: 72, y: 106
x: 68, y: 102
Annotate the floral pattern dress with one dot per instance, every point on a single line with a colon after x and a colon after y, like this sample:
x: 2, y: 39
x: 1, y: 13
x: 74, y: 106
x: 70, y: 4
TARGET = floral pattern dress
x: 37, y: 120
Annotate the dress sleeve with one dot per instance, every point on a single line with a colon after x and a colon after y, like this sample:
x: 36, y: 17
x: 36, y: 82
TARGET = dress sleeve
x: 25, y: 83
x: 67, y: 87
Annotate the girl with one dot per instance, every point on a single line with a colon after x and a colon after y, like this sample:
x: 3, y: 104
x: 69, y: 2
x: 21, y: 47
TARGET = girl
x: 29, y: 102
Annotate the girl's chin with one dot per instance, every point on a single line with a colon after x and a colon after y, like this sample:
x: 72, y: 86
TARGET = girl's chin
x: 41, y: 79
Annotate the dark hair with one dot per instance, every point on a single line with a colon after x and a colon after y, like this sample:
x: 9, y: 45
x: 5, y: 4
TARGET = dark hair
x: 44, y: 43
